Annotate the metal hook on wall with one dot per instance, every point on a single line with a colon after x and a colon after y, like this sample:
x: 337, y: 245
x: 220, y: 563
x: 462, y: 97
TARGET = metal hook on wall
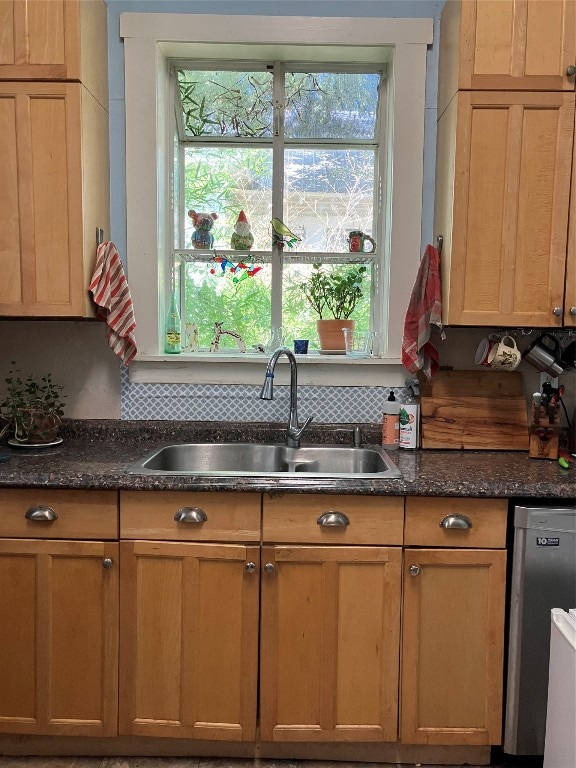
x: 439, y: 244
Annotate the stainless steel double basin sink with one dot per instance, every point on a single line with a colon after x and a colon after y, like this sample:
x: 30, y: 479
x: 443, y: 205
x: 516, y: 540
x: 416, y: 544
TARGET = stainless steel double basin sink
x: 257, y: 460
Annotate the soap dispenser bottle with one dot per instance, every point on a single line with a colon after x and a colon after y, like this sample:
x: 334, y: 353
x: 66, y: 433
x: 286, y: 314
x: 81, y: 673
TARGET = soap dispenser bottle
x: 410, y: 417
x: 391, y: 422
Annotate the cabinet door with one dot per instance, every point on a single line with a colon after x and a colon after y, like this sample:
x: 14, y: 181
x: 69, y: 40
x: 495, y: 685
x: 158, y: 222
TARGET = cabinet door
x: 189, y: 640
x: 503, y: 185
x: 452, y: 646
x: 59, y: 637
x: 506, y: 45
x: 55, y: 40
x: 53, y: 194
x: 330, y: 643
x: 570, y: 295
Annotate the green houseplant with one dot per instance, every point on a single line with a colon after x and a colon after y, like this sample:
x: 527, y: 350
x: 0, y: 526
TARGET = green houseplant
x: 333, y: 293
x: 32, y: 408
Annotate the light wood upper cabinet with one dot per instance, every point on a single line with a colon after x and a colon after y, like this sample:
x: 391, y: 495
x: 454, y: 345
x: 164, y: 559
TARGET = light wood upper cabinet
x: 506, y: 45
x: 502, y: 199
x: 55, y: 40
x: 54, y: 193
x: 330, y: 643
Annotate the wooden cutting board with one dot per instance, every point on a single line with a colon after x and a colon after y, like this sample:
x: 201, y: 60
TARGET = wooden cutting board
x: 482, y: 410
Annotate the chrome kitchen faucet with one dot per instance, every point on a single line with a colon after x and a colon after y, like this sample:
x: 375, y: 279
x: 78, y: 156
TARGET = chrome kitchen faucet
x: 293, y: 430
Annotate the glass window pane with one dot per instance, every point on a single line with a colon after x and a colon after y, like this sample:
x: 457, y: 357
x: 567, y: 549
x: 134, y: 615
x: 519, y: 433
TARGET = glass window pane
x: 226, y: 181
x: 328, y: 193
x: 298, y: 317
x: 232, y: 297
x: 226, y: 103
x: 331, y: 105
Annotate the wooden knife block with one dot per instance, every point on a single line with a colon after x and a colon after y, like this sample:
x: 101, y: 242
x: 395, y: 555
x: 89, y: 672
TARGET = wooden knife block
x: 544, y: 432
x: 481, y: 410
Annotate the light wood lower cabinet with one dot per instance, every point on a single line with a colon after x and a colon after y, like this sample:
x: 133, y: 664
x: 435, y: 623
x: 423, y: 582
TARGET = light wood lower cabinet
x: 189, y: 643
x: 453, y: 622
x: 58, y: 615
x: 329, y: 649
x: 189, y: 624
x: 330, y: 643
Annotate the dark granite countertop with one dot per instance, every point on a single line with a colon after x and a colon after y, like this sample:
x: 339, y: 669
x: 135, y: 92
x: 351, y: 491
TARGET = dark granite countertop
x: 96, y: 454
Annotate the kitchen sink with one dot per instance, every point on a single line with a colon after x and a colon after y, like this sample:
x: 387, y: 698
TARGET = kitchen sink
x: 256, y: 459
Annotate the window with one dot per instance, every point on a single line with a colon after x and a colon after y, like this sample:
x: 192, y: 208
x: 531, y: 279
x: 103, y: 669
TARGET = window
x: 362, y: 80
x: 277, y: 142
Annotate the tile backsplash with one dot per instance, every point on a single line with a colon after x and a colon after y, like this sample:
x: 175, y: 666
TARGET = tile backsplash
x: 239, y: 402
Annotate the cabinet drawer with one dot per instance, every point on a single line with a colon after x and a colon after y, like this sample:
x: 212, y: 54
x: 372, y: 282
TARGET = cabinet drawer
x: 424, y: 516
x: 371, y: 520
x: 228, y: 516
x: 78, y: 514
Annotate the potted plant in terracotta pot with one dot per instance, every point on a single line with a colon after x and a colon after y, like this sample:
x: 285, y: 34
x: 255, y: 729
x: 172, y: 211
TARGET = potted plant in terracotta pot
x: 333, y: 294
x: 32, y: 409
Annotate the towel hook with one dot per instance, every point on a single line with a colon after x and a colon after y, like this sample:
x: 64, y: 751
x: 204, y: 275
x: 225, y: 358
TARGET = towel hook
x: 439, y: 244
x: 99, y: 236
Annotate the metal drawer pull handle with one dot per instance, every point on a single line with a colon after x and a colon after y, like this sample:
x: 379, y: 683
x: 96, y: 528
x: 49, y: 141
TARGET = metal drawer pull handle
x: 107, y: 562
x: 414, y: 570
x: 41, y: 514
x: 190, y: 515
x: 269, y: 567
x: 250, y: 567
x: 456, y: 521
x: 571, y: 70
x: 333, y: 519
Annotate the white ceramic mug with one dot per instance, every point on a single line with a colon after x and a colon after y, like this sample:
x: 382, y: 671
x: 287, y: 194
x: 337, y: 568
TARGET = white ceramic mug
x: 505, y: 355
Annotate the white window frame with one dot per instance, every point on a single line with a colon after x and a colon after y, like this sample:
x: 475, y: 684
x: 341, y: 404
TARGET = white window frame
x: 150, y: 40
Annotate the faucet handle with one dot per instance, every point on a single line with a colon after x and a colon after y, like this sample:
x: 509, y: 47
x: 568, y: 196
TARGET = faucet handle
x: 295, y: 433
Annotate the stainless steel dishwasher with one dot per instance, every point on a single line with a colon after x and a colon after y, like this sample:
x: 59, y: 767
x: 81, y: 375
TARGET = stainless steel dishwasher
x: 543, y: 577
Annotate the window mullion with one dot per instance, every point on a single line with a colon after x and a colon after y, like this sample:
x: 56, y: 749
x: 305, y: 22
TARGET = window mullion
x: 277, y: 190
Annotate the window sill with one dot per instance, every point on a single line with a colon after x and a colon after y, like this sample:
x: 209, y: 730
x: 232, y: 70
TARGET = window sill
x: 248, y: 368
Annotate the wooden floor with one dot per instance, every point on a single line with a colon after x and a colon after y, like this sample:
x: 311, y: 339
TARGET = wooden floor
x: 202, y: 762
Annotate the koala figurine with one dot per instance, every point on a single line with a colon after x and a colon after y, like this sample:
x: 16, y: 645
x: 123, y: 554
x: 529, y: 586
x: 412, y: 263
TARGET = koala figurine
x: 203, y: 223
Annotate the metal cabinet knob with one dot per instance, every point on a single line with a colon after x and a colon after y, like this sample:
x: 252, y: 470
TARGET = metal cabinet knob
x: 250, y: 567
x: 455, y: 521
x: 269, y: 567
x: 41, y: 514
x: 414, y: 570
x: 573, y: 310
x: 333, y: 519
x: 557, y: 311
x: 107, y: 563
x: 190, y: 515
x: 571, y: 70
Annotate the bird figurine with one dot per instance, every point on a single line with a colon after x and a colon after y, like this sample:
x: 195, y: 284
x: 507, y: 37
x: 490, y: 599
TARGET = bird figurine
x: 281, y: 234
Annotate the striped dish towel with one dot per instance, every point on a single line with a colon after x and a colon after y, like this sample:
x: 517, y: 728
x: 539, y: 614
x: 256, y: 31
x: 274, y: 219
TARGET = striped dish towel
x: 113, y: 301
x: 423, y: 322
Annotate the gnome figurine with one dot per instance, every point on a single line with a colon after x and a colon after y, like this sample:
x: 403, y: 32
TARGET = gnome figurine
x: 242, y: 238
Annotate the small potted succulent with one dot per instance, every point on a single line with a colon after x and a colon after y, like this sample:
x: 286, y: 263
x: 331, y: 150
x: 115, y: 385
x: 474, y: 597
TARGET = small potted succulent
x: 32, y: 408
x: 333, y: 293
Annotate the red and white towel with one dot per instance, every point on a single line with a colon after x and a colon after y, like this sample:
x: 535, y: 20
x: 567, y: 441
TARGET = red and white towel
x: 423, y: 321
x: 114, y: 302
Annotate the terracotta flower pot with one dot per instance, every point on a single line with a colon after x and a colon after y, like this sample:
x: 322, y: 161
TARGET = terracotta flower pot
x: 330, y: 333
